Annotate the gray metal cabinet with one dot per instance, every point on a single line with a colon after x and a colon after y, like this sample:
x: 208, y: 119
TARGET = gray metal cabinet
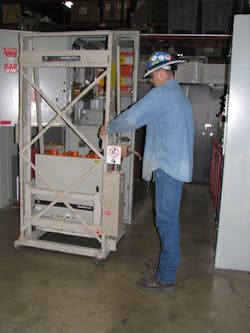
x: 233, y: 242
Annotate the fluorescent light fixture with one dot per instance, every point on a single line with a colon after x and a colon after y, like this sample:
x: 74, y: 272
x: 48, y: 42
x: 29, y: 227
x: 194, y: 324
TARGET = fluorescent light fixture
x: 68, y: 4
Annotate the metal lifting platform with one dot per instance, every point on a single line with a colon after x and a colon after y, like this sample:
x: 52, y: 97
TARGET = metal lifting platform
x: 70, y: 84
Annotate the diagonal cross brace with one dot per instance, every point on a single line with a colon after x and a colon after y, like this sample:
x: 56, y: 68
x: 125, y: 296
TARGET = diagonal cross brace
x: 61, y: 112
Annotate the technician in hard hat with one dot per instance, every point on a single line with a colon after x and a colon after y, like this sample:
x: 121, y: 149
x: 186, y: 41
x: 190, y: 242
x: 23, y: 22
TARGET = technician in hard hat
x: 168, y: 156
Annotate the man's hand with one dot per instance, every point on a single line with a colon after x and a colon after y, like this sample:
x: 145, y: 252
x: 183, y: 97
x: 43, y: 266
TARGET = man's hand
x: 102, y: 131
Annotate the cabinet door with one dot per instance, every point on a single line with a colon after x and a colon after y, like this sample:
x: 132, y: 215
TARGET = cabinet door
x: 205, y: 101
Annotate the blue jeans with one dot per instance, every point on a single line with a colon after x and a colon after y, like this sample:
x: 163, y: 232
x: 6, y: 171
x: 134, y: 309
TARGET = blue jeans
x: 168, y: 192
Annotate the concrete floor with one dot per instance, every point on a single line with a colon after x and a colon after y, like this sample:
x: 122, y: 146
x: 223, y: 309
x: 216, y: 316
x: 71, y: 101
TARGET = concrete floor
x: 49, y: 292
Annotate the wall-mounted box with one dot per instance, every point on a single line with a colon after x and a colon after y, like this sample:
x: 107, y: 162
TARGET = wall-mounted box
x: 119, y: 13
x: 216, y: 16
x: 85, y: 11
x: 198, y: 73
x: 182, y: 16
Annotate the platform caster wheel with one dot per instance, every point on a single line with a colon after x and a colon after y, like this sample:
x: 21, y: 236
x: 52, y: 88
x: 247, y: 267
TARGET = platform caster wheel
x: 97, y: 261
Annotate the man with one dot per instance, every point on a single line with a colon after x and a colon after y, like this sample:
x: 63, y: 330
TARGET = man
x: 168, y: 154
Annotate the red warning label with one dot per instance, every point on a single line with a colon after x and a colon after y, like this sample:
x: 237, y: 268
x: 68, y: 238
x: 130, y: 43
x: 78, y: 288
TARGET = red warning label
x: 10, y: 52
x: 5, y: 122
x: 10, y: 68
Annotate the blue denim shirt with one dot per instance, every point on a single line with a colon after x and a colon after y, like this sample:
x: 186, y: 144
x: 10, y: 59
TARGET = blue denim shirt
x: 170, y: 132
